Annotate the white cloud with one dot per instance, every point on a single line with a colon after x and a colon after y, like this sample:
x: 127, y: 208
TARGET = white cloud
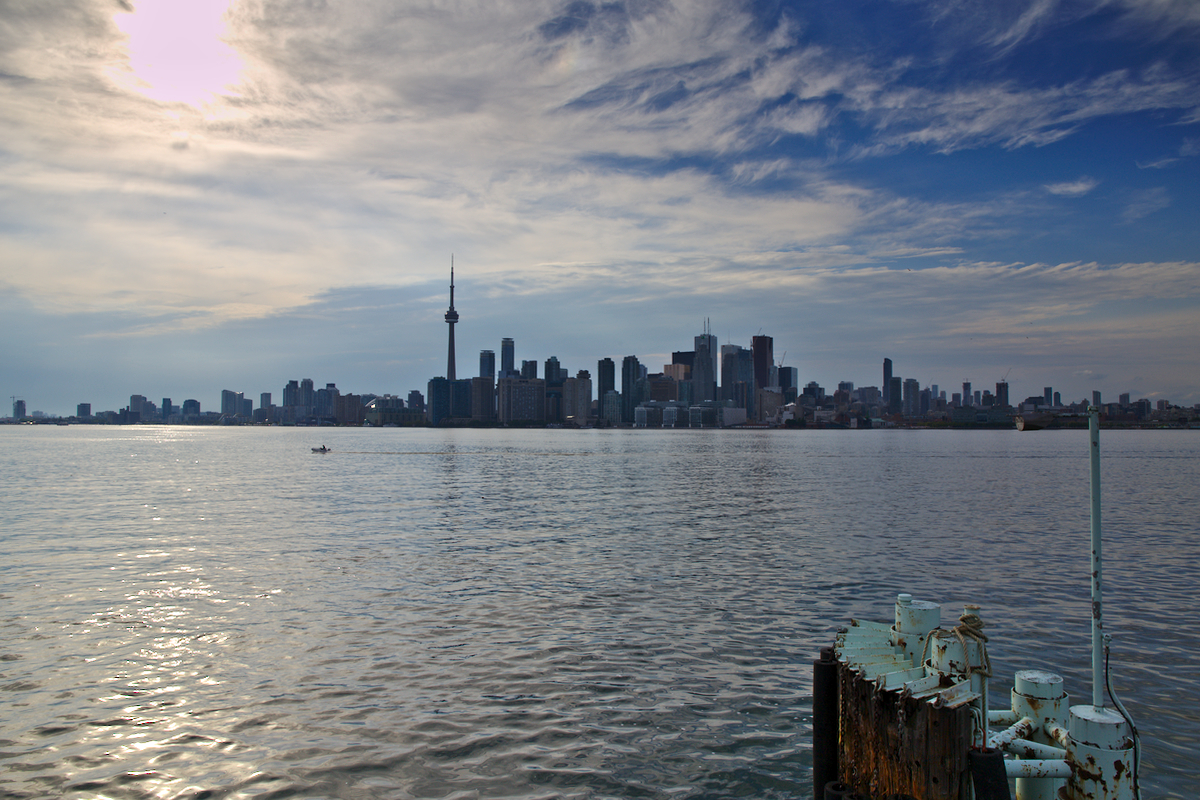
x: 1146, y: 203
x: 1076, y: 188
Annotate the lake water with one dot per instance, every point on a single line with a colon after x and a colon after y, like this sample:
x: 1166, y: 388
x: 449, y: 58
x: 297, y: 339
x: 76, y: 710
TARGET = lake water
x: 219, y: 612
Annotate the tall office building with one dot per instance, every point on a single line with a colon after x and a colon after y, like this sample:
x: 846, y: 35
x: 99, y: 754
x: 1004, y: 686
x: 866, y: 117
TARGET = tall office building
x: 83, y: 410
x: 487, y: 364
x: 440, y: 394
x: 483, y: 398
x: 451, y: 320
x: 529, y: 369
x: 521, y: 400
x: 705, y: 367
x: 729, y: 371
x: 763, y: 348
x: 291, y: 394
x: 583, y: 396
x: 789, y: 378
x: 1096, y: 398
x: 1048, y: 395
x: 1001, y: 393
x: 308, y: 396
x: 912, y: 396
x: 606, y: 378
x: 231, y: 403
x: 166, y: 408
x: 18, y: 409
x: 508, y: 364
x: 887, y: 382
x: 967, y: 397
x: 631, y: 376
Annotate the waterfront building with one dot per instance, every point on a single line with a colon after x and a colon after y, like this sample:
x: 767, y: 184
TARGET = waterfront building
x: 483, y: 399
x: 231, y: 403
x: 610, y: 408
x: 1048, y: 394
x: 967, y: 396
x: 190, y: 410
x: 83, y: 410
x: 440, y: 400
x: 19, y: 409
x: 521, y: 400
x: 577, y: 398
x: 416, y: 401
x: 326, y: 401
x: 887, y: 382
x: 1096, y: 398
x: 1001, y: 393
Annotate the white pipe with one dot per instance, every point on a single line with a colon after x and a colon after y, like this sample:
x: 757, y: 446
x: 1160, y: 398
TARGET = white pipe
x: 1024, y: 748
x: 1037, y: 768
x: 1018, y: 730
x: 1097, y: 604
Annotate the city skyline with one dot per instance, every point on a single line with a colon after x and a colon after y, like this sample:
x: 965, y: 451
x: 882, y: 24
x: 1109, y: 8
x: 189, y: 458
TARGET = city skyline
x: 759, y: 351
x: 972, y: 191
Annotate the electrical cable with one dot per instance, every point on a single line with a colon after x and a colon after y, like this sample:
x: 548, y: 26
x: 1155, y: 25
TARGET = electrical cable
x: 1137, y: 742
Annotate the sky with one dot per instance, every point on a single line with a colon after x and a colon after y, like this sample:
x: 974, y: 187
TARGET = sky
x: 232, y: 194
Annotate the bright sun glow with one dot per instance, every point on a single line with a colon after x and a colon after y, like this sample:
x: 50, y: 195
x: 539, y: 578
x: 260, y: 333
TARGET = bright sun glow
x: 176, y: 50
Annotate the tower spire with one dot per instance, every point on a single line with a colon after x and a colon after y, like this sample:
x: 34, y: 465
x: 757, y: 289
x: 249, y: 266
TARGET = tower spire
x: 451, y: 320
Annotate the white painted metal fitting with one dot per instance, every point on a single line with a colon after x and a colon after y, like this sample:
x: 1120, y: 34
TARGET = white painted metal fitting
x: 1040, y: 696
x: 1100, y: 750
x: 914, y: 620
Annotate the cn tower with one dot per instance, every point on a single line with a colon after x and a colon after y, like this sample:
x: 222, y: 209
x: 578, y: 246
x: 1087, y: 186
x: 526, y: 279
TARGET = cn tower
x: 451, y: 318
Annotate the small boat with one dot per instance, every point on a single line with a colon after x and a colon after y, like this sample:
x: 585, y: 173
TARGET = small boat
x: 321, y: 449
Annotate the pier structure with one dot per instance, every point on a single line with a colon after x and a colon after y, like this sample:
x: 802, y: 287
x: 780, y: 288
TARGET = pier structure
x: 902, y: 710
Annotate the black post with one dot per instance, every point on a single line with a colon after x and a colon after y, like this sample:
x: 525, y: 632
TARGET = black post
x: 987, y: 773
x: 825, y: 721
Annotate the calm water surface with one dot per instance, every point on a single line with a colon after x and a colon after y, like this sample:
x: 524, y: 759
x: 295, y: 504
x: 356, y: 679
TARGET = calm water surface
x: 218, y: 612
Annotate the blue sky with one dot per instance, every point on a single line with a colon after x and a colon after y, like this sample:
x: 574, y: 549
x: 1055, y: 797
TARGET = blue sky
x: 230, y: 195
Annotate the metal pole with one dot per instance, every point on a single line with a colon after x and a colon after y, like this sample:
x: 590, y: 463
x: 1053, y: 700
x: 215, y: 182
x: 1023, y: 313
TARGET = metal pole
x: 1097, y: 606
